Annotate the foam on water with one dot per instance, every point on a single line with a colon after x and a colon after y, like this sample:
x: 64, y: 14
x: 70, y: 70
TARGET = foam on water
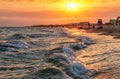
x: 77, y: 67
x: 30, y: 52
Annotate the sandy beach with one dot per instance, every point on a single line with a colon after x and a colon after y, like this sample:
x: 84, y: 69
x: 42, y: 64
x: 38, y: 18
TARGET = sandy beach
x: 48, y: 53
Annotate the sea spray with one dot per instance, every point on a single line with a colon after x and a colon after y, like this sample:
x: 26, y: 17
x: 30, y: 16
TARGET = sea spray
x: 85, y: 40
x: 77, y: 69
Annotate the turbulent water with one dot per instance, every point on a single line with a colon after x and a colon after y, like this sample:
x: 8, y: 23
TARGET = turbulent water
x: 56, y: 53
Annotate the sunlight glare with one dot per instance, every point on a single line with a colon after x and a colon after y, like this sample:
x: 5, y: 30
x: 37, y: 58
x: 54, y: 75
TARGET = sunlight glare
x: 72, y: 6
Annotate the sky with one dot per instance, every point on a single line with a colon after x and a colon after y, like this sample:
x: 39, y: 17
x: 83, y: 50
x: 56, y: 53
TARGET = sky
x: 34, y: 12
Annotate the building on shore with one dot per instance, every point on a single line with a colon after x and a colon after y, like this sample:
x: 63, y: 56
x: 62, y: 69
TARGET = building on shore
x: 84, y: 25
x: 112, y: 22
x: 100, y: 24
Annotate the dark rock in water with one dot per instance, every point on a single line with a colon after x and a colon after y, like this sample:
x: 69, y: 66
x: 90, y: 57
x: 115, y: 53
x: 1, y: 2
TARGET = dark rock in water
x: 78, y: 46
x: 17, y: 36
x: 48, y: 73
x: 39, y: 35
x: 68, y: 51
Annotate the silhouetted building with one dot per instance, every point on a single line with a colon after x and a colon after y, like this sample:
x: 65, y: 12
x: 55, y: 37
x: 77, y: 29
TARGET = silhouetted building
x: 112, y: 21
x: 100, y: 24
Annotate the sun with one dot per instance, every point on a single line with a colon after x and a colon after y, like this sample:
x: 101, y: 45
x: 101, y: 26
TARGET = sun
x: 72, y: 6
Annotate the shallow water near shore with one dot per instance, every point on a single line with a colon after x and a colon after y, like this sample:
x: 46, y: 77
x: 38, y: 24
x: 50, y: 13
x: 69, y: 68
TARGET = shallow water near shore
x: 38, y: 52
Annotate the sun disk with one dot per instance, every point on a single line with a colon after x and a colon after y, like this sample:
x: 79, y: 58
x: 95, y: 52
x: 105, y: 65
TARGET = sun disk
x: 72, y: 6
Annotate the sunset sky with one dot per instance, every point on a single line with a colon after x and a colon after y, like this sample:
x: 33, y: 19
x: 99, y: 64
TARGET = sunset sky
x: 30, y: 12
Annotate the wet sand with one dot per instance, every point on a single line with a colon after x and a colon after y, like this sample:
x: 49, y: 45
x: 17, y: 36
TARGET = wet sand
x: 102, y: 56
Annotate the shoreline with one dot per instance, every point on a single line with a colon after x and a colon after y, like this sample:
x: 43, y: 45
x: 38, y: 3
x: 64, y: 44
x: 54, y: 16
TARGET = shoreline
x: 71, y: 53
x: 49, y: 50
x: 94, y: 55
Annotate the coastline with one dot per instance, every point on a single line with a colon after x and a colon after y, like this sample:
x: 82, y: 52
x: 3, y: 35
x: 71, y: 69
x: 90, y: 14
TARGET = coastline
x: 28, y: 53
